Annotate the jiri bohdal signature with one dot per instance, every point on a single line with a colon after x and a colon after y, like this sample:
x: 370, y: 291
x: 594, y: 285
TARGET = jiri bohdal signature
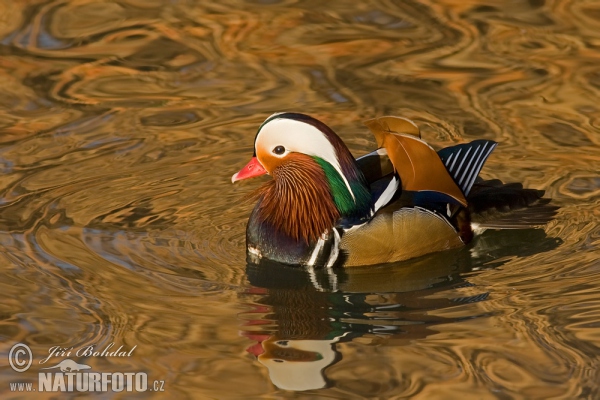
x: 87, y: 351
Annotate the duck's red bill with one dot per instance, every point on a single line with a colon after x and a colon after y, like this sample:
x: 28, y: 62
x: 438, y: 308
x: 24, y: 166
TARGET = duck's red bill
x: 251, y: 170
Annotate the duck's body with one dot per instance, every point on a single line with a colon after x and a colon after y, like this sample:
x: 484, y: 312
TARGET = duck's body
x: 324, y: 208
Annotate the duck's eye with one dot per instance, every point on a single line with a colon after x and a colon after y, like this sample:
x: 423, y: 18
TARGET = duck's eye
x: 279, y: 150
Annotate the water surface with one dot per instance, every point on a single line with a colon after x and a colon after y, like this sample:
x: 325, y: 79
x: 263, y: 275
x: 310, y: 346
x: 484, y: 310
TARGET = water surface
x: 122, y: 122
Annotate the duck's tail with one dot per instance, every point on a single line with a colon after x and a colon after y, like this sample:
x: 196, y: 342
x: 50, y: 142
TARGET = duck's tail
x: 497, y: 205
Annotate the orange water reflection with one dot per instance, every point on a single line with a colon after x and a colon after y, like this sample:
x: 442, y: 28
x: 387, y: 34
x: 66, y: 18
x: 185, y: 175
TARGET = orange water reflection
x: 122, y: 121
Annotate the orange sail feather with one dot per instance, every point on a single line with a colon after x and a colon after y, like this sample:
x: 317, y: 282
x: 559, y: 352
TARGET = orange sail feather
x: 419, y: 166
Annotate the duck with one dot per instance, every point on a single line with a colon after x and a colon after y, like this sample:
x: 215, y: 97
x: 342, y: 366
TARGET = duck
x: 325, y: 208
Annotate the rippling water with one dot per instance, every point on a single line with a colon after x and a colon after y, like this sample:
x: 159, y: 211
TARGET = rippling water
x: 121, y: 123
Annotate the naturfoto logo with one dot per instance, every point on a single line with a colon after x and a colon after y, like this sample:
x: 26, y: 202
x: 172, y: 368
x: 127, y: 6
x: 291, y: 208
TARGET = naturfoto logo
x: 68, y: 375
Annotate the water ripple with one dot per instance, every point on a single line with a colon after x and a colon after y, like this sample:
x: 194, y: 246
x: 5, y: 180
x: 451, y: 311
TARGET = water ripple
x: 122, y: 122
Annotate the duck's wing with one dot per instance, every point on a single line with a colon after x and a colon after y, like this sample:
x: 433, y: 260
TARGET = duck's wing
x: 418, y: 165
x: 375, y: 165
x: 383, y: 181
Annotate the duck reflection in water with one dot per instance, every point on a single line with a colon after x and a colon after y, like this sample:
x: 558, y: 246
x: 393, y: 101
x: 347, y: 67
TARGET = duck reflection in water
x: 297, y: 316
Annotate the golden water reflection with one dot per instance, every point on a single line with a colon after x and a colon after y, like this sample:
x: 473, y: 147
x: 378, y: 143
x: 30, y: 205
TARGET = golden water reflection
x: 122, y: 121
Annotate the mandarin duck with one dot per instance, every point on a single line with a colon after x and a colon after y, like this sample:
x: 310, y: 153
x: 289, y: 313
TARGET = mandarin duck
x: 325, y: 208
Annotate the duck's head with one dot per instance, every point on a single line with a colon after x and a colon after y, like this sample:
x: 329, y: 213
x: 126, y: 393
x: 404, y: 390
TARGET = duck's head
x: 284, y: 135
x: 306, y: 158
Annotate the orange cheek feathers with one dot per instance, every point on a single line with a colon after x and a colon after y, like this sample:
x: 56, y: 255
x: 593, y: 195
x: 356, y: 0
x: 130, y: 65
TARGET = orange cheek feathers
x: 268, y: 160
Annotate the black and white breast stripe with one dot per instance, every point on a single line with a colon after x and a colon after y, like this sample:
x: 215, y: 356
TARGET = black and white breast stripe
x: 464, y: 161
x: 326, y: 251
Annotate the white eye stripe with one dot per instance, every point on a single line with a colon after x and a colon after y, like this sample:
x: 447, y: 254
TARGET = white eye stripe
x: 299, y: 137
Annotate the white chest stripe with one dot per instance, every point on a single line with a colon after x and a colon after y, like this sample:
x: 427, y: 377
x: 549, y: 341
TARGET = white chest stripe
x: 315, y: 253
x: 335, y: 249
